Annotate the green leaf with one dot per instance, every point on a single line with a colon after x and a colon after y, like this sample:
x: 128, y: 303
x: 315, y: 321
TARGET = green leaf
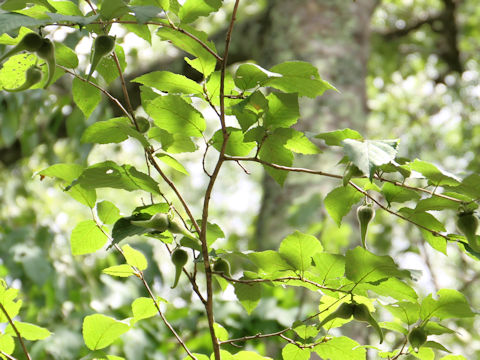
x: 113, y: 357
x: 469, y: 186
x: 335, y: 138
x: 172, y: 143
x: 273, y: 151
x: 13, y: 21
x: 435, y: 345
x: 449, y: 304
x: 236, y: 145
x: 367, y: 155
x: 363, y: 266
x: 68, y: 173
x: 220, y: 332
x: 206, y: 61
x: 113, y: 9
x: 424, y: 353
x: 270, y: 261
x: 249, y: 76
x: 12, y: 73
x: 341, y: 348
x: 122, y: 270
x: 134, y: 257
x: 398, y: 194
x: 142, y: 31
x: 205, y: 357
x: 434, y: 175
x: 169, y: 82
x: 144, y: 308
x: 112, y: 175
x: 7, y: 299
x: 99, y: 331
x: 430, y: 222
x: 7, y: 344
x: 453, y: 357
x: 393, y: 326
x: 392, y: 287
x: 107, y: 67
x: 107, y: 212
x: 282, y: 111
x: 213, y: 86
x: 175, y: 115
x: 145, y: 13
x: 193, y: 9
x: 86, y: 238
x: 11, y: 5
x: 292, y: 352
x: 296, y: 141
x: 172, y: 162
x: 298, y: 77
x: 214, y: 232
x: 86, y: 96
x: 81, y: 20
x: 249, y: 295
x: 433, y: 328
x: 110, y: 131
x: 246, y: 355
x: 306, y: 331
x: 340, y: 200
x: 328, y: 266
x: 407, y: 312
x: 249, y: 110
x: 65, y: 56
x: 28, y: 331
x: 298, y: 249
x: 435, y: 203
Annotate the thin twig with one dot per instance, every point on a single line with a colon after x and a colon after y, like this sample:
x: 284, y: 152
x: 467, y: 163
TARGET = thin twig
x: 141, y: 276
x: 164, y: 319
x: 10, y: 357
x: 336, y: 176
x: 356, y: 187
x: 24, y: 348
x: 124, y: 88
x: 110, y: 96
x: 283, y: 279
x: 175, y: 190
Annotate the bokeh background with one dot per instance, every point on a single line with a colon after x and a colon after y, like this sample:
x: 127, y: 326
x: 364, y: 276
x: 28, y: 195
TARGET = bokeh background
x: 406, y: 69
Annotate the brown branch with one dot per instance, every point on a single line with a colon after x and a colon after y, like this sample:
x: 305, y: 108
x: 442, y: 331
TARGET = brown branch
x: 175, y: 190
x: 283, y: 279
x: 415, y: 25
x: 164, y: 319
x: 380, y: 205
x: 141, y: 276
x: 278, y: 333
x: 208, y: 192
x: 124, y: 88
x: 9, y: 357
x: 24, y: 348
x: 336, y: 176
x: 356, y: 187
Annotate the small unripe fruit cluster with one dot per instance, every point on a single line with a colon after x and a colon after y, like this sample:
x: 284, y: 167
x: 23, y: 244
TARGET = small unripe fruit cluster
x: 359, y: 312
x: 179, y: 259
x: 102, y: 46
x: 44, y: 49
x: 365, y: 214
